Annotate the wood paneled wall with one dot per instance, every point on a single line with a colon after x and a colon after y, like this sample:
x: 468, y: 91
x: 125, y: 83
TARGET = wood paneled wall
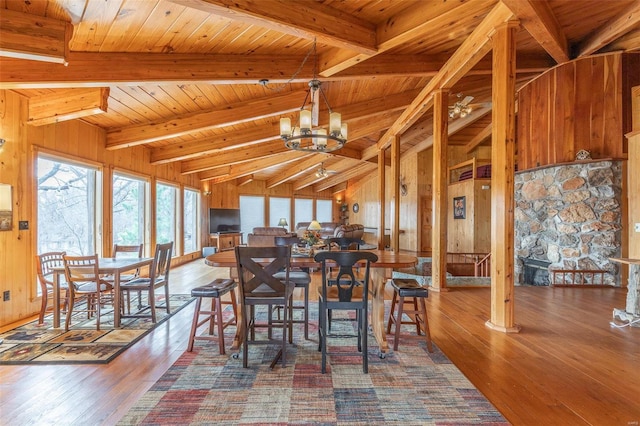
x: 72, y: 139
x: 473, y: 233
x: 577, y: 105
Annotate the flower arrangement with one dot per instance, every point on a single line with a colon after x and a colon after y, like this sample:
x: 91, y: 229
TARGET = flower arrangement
x: 311, y: 237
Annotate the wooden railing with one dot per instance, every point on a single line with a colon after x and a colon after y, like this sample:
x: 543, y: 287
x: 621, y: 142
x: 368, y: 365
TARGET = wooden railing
x: 478, y: 264
x: 483, y: 266
x: 578, y: 278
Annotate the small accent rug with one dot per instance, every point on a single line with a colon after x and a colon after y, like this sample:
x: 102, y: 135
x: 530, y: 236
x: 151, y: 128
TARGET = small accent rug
x: 407, y: 387
x: 82, y: 344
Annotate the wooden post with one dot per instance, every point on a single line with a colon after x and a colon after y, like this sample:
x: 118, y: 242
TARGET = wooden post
x: 502, y: 185
x: 440, y: 183
x: 381, y: 197
x: 395, y: 167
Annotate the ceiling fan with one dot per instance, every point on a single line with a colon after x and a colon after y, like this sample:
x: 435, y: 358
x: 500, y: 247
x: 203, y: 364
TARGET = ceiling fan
x: 461, y: 108
x: 323, y: 173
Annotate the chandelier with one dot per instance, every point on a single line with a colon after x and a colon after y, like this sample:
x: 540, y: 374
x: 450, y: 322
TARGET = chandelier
x: 306, y: 137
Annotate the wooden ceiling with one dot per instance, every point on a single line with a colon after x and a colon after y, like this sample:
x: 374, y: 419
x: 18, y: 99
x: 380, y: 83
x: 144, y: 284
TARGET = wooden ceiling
x: 183, y: 77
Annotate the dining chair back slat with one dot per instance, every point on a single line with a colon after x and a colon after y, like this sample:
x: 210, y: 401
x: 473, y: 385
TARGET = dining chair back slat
x: 258, y: 286
x: 46, y: 262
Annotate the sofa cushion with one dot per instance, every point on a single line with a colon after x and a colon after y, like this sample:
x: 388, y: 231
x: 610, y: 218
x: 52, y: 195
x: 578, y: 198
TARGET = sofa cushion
x: 266, y: 236
x: 350, y: 231
x: 328, y: 228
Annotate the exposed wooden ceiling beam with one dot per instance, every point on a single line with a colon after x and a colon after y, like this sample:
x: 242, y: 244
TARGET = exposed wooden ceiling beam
x: 239, y: 170
x: 307, y: 20
x: 67, y: 104
x: 618, y: 26
x: 353, y: 172
x: 240, y: 112
x: 311, y: 178
x: 296, y: 170
x: 244, y: 180
x: 35, y: 38
x: 87, y: 69
x: 540, y: 22
x: 369, y: 111
x: 410, y: 24
x: 479, y: 138
x: 468, y: 54
x: 234, y: 156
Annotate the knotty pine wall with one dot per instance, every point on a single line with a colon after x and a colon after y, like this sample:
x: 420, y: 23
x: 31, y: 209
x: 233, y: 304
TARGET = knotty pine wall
x: 74, y: 140
x: 582, y: 104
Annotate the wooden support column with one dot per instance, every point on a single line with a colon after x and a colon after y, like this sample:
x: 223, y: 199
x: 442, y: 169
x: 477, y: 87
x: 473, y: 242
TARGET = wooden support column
x: 395, y: 167
x: 440, y: 183
x: 381, y: 197
x: 502, y: 186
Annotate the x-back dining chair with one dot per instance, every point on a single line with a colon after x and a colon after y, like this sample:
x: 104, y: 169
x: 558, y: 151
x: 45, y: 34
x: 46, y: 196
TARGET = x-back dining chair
x: 301, y: 278
x: 83, y: 279
x: 158, y: 277
x: 258, y: 286
x: 45, y: 264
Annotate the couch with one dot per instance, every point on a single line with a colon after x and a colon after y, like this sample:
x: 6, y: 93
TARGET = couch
x: 266, y: 236
x: 327, y: 231
x: 332, y: 229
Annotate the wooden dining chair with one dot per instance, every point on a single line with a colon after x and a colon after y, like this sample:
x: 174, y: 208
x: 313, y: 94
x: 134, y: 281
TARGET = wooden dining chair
x: 120, y: 250
x: 158, y: 278
x: 258, y: 286
x: 348, y: 292
x: 301, y: 279
x: 45, y: 264
x: 83, y: 280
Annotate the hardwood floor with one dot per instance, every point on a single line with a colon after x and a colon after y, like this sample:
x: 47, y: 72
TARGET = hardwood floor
x: 568, y: 366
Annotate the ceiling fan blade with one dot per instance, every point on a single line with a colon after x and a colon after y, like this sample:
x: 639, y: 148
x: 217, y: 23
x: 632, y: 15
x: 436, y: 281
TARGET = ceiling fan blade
x: 466, y: 100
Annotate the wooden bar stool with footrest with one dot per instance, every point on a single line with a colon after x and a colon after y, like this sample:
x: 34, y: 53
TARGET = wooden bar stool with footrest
x: 215, y: 290
x: 403, y: 287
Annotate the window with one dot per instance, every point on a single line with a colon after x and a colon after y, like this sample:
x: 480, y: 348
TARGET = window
x: 303, y: 210
x: 190, y: 221
x: 129, y: 210
x: 166, y: 207
x: 323, y: 211
x: 251, y: 213
x: 279, y: 208
x: 68, y: 206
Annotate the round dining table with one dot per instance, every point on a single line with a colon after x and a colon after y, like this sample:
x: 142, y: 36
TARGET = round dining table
x: 381, y: 271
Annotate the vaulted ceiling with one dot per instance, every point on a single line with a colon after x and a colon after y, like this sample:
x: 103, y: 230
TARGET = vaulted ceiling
x: 203, y: 83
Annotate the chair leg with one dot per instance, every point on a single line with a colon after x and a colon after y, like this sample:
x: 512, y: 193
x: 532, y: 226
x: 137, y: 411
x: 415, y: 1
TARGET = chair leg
x: 194, y: 324
x: 217, y: 313
x: 365, y: 353
x: 306, y: 312
x: 425, y: 323
x: 67, y: 322
x: 152, y: 304
x: 398, y: 322
x: 392, y: 312
x: 43, y: 307
x: 166, y: 298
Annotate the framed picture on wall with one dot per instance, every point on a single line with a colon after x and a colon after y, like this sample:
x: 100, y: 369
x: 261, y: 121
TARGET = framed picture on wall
x: 459, y: 207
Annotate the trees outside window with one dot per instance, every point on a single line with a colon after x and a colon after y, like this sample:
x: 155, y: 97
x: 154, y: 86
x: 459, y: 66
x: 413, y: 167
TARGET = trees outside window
x: 166, y: 208
x: 68, y: 217
x: 129, y: 210
x: 190, y: 221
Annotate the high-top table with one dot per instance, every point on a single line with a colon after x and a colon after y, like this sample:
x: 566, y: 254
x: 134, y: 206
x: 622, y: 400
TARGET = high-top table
x: 107, y: 266
x: 380, y: 273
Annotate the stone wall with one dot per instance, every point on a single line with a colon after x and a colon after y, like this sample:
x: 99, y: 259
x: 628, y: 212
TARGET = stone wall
x: 570, y: 215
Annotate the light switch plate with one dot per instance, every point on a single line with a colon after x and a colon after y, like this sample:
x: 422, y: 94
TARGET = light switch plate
x: 637, y: 227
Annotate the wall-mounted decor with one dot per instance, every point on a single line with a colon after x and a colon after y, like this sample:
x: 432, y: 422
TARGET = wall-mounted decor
x: 459, y: 207
x: 6, y: 208
x: 356, y: 207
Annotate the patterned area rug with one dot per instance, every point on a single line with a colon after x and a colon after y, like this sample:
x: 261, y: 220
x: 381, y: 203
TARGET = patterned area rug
x: 407, y: 387
x: 82, y: 344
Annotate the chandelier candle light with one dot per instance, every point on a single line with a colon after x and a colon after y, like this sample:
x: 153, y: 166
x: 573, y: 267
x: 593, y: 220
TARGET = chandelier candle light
x: 305, y: 137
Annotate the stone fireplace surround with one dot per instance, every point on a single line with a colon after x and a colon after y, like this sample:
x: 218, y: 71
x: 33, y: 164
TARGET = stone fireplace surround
x: 570, y: 215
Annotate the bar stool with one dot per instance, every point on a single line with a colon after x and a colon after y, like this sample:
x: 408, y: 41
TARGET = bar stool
x: 403, y: 287
x: 215, y: 290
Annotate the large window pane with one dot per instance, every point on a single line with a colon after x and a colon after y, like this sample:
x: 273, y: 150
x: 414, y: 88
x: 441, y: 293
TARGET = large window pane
x: 128, y: 210
x: 190, y: 221
x: 323, y: 211
x: 251, y: 213
x: 67, y: 213
x: 166, y: 214
x: 303, y: 210
x: 280, y: 208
